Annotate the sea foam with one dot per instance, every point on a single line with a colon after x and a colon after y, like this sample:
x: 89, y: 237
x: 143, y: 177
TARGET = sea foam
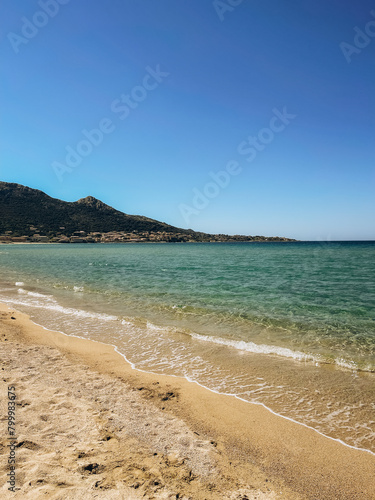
x: 241, y: 345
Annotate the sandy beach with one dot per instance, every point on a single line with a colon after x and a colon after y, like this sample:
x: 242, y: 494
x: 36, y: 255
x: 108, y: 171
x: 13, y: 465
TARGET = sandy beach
x: 87, y: 425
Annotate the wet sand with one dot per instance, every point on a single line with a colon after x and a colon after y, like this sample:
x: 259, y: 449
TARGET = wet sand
x: 89, y: 426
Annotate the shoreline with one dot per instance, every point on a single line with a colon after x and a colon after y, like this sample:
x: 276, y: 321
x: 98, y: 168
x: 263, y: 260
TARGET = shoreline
x: 136, y: 242
x: 296, y: 460
x: 133, y: 367
x: 328, y: 398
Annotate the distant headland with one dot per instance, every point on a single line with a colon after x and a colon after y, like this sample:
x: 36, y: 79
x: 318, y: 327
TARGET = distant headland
x: 29, y: 215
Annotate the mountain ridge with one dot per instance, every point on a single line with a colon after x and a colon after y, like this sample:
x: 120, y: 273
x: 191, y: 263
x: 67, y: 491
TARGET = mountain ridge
x: 25, y: 212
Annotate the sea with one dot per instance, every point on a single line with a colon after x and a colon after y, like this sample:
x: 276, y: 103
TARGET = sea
x: 290, y: 326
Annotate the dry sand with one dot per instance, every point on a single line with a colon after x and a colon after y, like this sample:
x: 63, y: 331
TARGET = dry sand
x: 88, y: 426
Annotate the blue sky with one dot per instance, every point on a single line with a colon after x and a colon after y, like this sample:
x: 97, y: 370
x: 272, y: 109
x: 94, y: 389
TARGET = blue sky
x: 177, y: 87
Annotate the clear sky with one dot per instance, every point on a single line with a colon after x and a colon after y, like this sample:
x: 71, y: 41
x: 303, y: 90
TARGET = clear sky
x: 141, y: 103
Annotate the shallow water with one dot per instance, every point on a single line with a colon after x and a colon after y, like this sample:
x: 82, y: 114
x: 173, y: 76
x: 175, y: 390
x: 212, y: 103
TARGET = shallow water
x: 288, y: 325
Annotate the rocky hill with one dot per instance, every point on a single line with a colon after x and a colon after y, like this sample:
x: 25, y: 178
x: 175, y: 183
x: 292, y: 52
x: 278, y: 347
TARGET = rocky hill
x: 26, y: 212
x: 22, y: 208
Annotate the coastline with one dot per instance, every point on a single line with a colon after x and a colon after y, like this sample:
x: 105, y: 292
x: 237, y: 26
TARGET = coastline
x: 232, y: 447
x: 140, y: 241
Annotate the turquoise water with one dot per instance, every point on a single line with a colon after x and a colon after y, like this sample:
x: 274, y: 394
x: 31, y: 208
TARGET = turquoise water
x: 269, y: 322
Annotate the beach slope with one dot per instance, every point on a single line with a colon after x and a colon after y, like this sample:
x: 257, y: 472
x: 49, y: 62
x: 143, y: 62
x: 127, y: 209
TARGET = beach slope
x: 89, y: 426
